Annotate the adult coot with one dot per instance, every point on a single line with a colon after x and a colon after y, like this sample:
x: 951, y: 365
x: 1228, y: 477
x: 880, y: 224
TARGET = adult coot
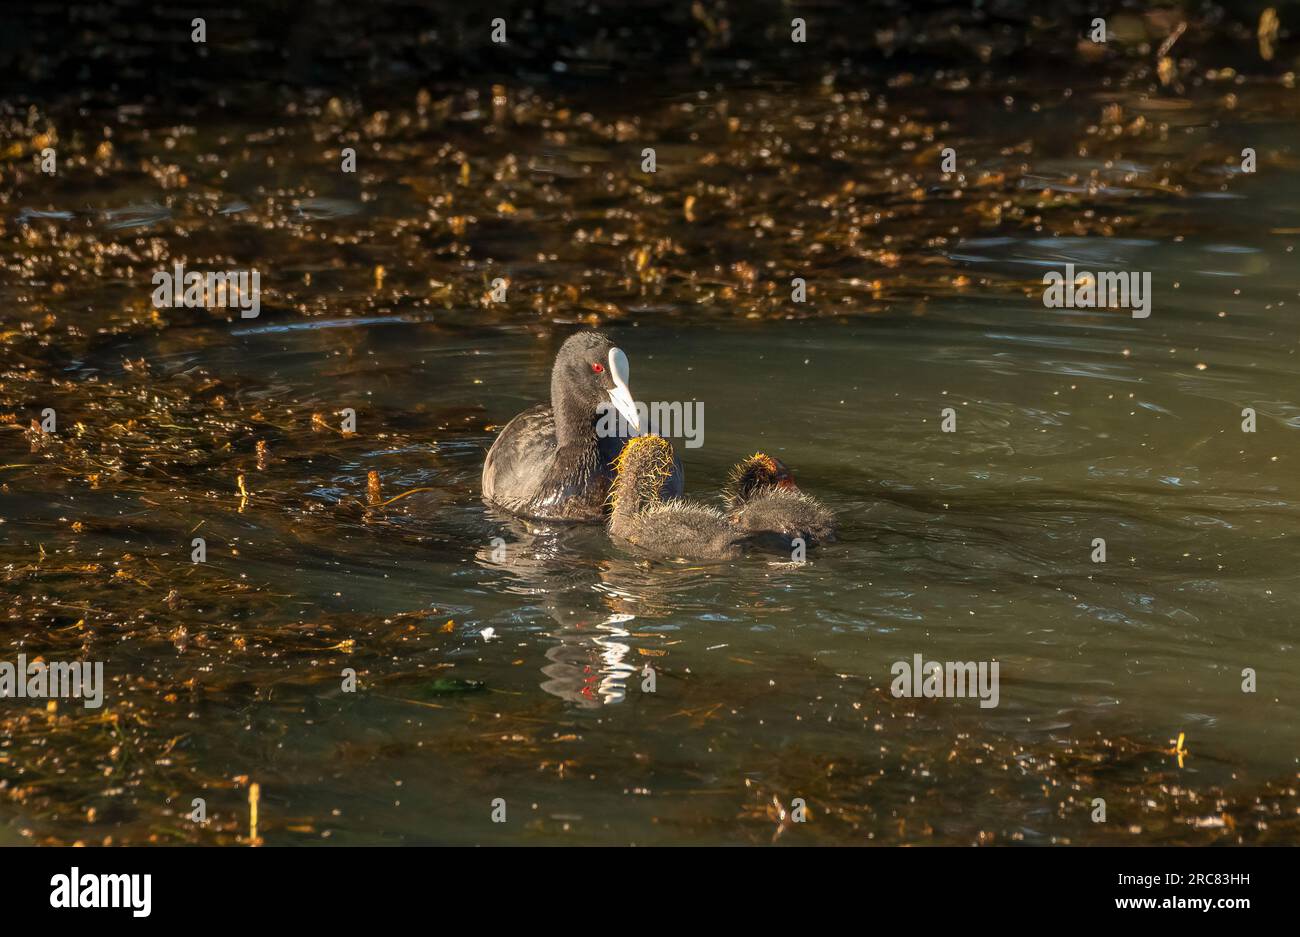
x: 554, y: 463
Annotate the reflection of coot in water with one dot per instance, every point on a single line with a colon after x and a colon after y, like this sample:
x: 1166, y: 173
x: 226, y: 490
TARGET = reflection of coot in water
x: 550, y: 463
x: 590, y: 666
x: 591, y: 662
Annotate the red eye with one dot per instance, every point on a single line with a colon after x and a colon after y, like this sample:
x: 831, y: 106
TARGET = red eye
x: 597, y: 367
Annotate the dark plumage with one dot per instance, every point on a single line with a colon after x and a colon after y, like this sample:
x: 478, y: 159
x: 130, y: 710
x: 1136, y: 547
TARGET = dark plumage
x: 640, y: 518
x: 554, y: 463
x: 762, y: 498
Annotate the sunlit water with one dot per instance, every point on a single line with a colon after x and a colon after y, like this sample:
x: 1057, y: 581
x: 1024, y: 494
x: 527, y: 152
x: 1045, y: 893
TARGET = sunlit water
x: 972, y: 545
x: 500, y: 659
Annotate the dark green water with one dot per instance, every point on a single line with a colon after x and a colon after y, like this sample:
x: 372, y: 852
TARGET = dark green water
x: 771, y: 677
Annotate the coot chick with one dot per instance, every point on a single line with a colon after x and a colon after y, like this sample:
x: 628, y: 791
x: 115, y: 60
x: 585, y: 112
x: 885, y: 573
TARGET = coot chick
x: 762, y: 498
x: 642, y: 519
x: 551, y: 463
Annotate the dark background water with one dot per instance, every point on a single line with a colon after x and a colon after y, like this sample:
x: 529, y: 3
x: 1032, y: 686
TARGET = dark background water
x: 775, y: 160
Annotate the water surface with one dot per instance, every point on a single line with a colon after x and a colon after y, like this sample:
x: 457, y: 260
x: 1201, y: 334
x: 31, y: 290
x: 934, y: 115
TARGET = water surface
x: 503, y: 659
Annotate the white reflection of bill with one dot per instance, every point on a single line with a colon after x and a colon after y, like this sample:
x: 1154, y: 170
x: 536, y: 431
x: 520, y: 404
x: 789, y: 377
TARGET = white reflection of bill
x: 589, y: 665
x: 613, y: 683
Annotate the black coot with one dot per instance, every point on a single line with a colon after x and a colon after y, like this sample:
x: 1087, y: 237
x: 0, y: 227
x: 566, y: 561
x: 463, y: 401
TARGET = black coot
x: 554, y: 463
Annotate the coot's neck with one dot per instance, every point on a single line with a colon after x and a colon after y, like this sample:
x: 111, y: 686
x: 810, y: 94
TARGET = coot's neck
x: 638, y: 484
x: 575, y: 419
x: 627, y: 500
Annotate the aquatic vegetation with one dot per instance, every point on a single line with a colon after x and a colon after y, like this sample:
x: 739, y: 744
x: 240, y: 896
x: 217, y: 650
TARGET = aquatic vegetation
x: 336, y: 552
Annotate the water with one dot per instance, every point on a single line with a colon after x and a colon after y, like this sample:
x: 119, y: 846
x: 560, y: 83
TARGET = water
x: 771, y: 678
x: 967, y: 546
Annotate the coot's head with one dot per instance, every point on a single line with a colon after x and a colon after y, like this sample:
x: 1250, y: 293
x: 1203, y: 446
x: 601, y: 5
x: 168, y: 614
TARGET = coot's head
x: 760, y: 472
x: 590, y: 371
x: 640, y: 471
